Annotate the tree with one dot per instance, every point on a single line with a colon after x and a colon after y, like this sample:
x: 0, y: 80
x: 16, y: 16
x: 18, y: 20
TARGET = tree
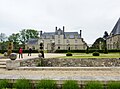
x: 3, y: 37
x: 96, y: 44
x: 27, y: 34
x: 15, y: 38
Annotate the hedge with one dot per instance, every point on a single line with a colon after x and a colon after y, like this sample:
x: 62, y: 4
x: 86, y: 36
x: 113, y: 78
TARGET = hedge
x: 84, y: 51
x: 65, y: 51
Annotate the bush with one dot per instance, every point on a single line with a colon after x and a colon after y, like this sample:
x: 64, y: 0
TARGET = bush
x: 96, y: 54
x: 4, y: 84
x: 46, y: 84
x: 87, y: 50
x: 22, y: 84
x: 114, y: 85
x: 69, y: 54
x: 93, y: 85
x: 70, y: 84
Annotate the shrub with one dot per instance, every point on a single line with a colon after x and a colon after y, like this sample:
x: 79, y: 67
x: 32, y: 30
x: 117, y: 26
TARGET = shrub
x: 4, y: 84
x: 93, y: 85
x: 22, y: 84
x: 96, y: 54
x: 114, y: 85
x: 69, y: 54
x: 70, y: 84
x: 46, y: 84
x: 106, y: 51
x: 87, y: 50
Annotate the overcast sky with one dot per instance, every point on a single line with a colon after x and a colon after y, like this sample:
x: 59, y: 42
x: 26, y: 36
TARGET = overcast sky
x: 93, y: 17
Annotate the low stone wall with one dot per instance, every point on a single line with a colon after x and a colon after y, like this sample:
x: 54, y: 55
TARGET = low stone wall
x: 63, y: 62
x: 79, y: 62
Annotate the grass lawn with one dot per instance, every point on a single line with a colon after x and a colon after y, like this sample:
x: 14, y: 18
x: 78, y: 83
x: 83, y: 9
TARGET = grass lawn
x: 1, y: 54
x: 102, y: 55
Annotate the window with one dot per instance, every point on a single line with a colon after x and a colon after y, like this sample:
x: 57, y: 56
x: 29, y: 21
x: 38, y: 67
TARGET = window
x: 75, y: 41
x: 67, y: 41
x: 58, y: 41
x: 58, y: 36
x: 75, y: 47
x: 33, y: 47
x: 59, y: 32
x: 71, y: 36
x: 47, y: 37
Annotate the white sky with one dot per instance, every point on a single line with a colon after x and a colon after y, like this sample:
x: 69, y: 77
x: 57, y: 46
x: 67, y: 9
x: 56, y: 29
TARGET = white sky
x: 93, y: 17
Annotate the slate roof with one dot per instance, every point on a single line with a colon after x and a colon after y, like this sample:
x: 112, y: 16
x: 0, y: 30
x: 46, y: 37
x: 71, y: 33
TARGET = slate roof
x: 71, y: 34
x: 116, y: 29
x: 32, y: 41
x: 48, y: 34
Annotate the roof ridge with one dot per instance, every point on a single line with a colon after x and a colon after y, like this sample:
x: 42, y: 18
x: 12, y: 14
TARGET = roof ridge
x: 116, y: 29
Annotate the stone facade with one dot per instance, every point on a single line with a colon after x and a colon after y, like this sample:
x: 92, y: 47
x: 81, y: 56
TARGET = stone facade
x: 113, y: 40
x: 59, y: 40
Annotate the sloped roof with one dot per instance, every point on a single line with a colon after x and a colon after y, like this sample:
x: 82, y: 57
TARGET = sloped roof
x: 116, y: 29
x: 48, y: 34
x: 71, y: 34
x: 32, y: 41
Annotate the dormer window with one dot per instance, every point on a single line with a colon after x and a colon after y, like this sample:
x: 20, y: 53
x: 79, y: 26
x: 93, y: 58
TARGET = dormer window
x: 71, y: 36
x: 59, y: 32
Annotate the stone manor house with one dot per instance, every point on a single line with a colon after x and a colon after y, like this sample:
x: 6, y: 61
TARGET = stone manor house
x: 58, y: 40
x: 113, y: 40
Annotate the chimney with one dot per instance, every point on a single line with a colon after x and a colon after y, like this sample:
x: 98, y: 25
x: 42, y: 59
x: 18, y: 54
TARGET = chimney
x: 55, y: 29
x: 80, y: 33
x: 40, y: 33
x: 63, y: 29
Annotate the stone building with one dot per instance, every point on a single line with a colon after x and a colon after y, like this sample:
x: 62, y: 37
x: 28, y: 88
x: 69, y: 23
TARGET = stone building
x: 113, y: 40
x: 59, y: 40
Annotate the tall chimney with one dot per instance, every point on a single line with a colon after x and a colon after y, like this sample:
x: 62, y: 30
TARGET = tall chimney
x: 80, y: 33
x: 55, y: 29
x: 63, y: 29
x: 40, y: 33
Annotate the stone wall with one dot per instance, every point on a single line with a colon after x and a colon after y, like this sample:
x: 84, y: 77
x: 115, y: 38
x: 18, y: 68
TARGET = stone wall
x: 79, y: 62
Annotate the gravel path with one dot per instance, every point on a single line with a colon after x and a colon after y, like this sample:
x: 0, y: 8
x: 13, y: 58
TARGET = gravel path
x: 60, y: 75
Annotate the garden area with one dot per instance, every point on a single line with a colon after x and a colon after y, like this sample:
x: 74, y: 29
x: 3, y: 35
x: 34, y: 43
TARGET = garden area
x: 90, y: 55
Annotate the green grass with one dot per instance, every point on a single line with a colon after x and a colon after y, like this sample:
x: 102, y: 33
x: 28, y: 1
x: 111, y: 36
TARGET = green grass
x: 113, y: 85
x: 102, y: 55
x: 4, y: 84
x: 46, y: 84
x: 94, y: 85
x: 70, y: 84
x: 22, y: 84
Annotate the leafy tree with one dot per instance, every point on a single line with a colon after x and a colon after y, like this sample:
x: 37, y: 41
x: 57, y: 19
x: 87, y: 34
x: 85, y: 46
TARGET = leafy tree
x: 15, y: 38
x: 96, y: 44
x: 27, y: 34
x: 3, y: 37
